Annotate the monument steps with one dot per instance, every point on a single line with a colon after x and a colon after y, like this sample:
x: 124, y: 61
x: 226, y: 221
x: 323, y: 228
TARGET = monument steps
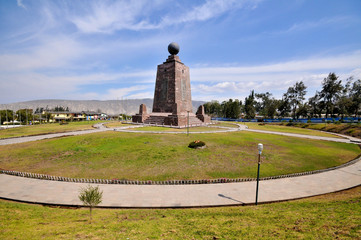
x: 158, y: 120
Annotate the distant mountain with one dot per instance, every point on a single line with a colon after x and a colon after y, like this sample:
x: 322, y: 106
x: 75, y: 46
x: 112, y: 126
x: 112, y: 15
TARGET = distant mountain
x: 128, y: 106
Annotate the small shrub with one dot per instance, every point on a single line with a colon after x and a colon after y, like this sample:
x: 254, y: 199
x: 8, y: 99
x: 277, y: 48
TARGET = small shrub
x: 91, y: 197
x: 196, y: 144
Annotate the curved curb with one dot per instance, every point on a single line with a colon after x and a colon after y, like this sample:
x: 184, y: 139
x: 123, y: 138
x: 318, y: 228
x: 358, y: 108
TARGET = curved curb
x: 125, y: 129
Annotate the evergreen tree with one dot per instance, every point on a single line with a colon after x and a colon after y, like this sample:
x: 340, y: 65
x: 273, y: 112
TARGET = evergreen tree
x: 249, y: 106
x: 330, y: 93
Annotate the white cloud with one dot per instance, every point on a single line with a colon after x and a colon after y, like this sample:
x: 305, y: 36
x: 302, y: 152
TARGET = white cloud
x: 20, y: 4
x: 302, y: 26
x: 210, y: 9
x: 304, y: 66
x: 221, y: 83
x: 115, y: 93
x: 52, y: 52
x: 108, y: 17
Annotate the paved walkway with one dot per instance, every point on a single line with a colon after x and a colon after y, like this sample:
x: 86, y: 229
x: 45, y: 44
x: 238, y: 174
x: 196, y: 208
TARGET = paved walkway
x: 345, y: 139
x: 198, y: 195
x: 98, y: 128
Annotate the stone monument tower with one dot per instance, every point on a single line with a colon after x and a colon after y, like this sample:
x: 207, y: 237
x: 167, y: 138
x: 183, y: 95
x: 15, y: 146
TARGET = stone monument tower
x: 172, y: 103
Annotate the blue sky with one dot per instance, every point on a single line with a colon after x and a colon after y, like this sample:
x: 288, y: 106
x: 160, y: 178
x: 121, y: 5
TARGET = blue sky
x: 104, y: 50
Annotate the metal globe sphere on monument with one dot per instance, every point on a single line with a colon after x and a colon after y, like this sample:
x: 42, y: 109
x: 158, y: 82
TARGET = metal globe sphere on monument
x: 173, y: 48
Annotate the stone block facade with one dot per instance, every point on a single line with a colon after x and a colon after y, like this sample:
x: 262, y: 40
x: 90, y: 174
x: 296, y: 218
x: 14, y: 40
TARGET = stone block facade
x: 172, y: 98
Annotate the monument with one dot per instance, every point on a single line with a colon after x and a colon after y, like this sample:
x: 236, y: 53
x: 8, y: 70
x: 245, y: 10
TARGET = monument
x: 172, y: 103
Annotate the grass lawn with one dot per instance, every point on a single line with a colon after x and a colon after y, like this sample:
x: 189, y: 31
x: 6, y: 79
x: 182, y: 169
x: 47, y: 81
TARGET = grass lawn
x: 46, y: 128
x: 344, y: 128
x: 167, y: 129
x: 117, y: 124
x: 288, y: 129
x: 331, y: 216
x: 145, y: 156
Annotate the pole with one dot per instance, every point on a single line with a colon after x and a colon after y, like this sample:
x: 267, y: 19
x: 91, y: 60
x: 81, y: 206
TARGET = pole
x: 259, y: 164
x: 188, y: 125
x: 7, y: 121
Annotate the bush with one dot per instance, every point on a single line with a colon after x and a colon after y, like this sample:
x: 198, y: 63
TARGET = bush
x: 91, y: 197
x: 196, y: 144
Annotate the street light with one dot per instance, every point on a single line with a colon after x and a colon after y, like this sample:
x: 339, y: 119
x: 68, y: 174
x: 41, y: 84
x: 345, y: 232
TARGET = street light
x: 260, y: 148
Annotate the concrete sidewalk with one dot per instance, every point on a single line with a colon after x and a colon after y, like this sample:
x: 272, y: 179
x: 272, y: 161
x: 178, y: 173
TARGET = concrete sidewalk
x: 199, y: 195
x: 344, y: 139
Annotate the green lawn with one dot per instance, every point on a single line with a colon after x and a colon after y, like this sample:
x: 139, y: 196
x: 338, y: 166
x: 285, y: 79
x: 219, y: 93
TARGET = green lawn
x: 167, y: 129
x: 288, y: 129
x: 117, y: 124
x: 45, y: 129
x: 332, y: 216
x: 145, y: 156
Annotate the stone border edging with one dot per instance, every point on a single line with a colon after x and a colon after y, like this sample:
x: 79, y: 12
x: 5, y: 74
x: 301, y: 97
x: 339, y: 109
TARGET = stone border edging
x: 168, y: 182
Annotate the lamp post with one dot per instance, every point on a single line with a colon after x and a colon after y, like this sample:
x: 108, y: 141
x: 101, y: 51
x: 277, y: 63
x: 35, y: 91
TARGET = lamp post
x: 260, y: 148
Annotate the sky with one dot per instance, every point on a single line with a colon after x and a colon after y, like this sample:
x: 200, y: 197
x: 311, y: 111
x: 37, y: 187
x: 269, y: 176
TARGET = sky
x: 109, y: 50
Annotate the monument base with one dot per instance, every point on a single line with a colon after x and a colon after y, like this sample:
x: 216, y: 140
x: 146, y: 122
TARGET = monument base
x: 181, y: 120
x: 169, y: 119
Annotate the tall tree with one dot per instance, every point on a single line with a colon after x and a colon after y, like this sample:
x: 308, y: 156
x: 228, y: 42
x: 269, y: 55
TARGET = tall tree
x: 315, y: 105
x: 355, y: 94
x: 331, y: 90
x: 231, y: 109
x: 284, y: 106
x: 249, y: 106
x: 213, y: 108
x: 344, y: 102
x: 295, y: 96
x: 266, y: 105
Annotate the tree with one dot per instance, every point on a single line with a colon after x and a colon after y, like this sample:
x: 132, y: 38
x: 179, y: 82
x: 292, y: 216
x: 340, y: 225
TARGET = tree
x: 344, y: 102
x: 284, y: 106
x: 355, y: 94
x: 330, y: 93
x: 249, y: 106
x: 315, y: 105
x: 213, y: 108
x: 267, y: 106
x: 6, y: 116
x: 24, y: 115
x: 302, y: 110
x: 295, y: 96
x: 231, y: 109
x: 91, y: 197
